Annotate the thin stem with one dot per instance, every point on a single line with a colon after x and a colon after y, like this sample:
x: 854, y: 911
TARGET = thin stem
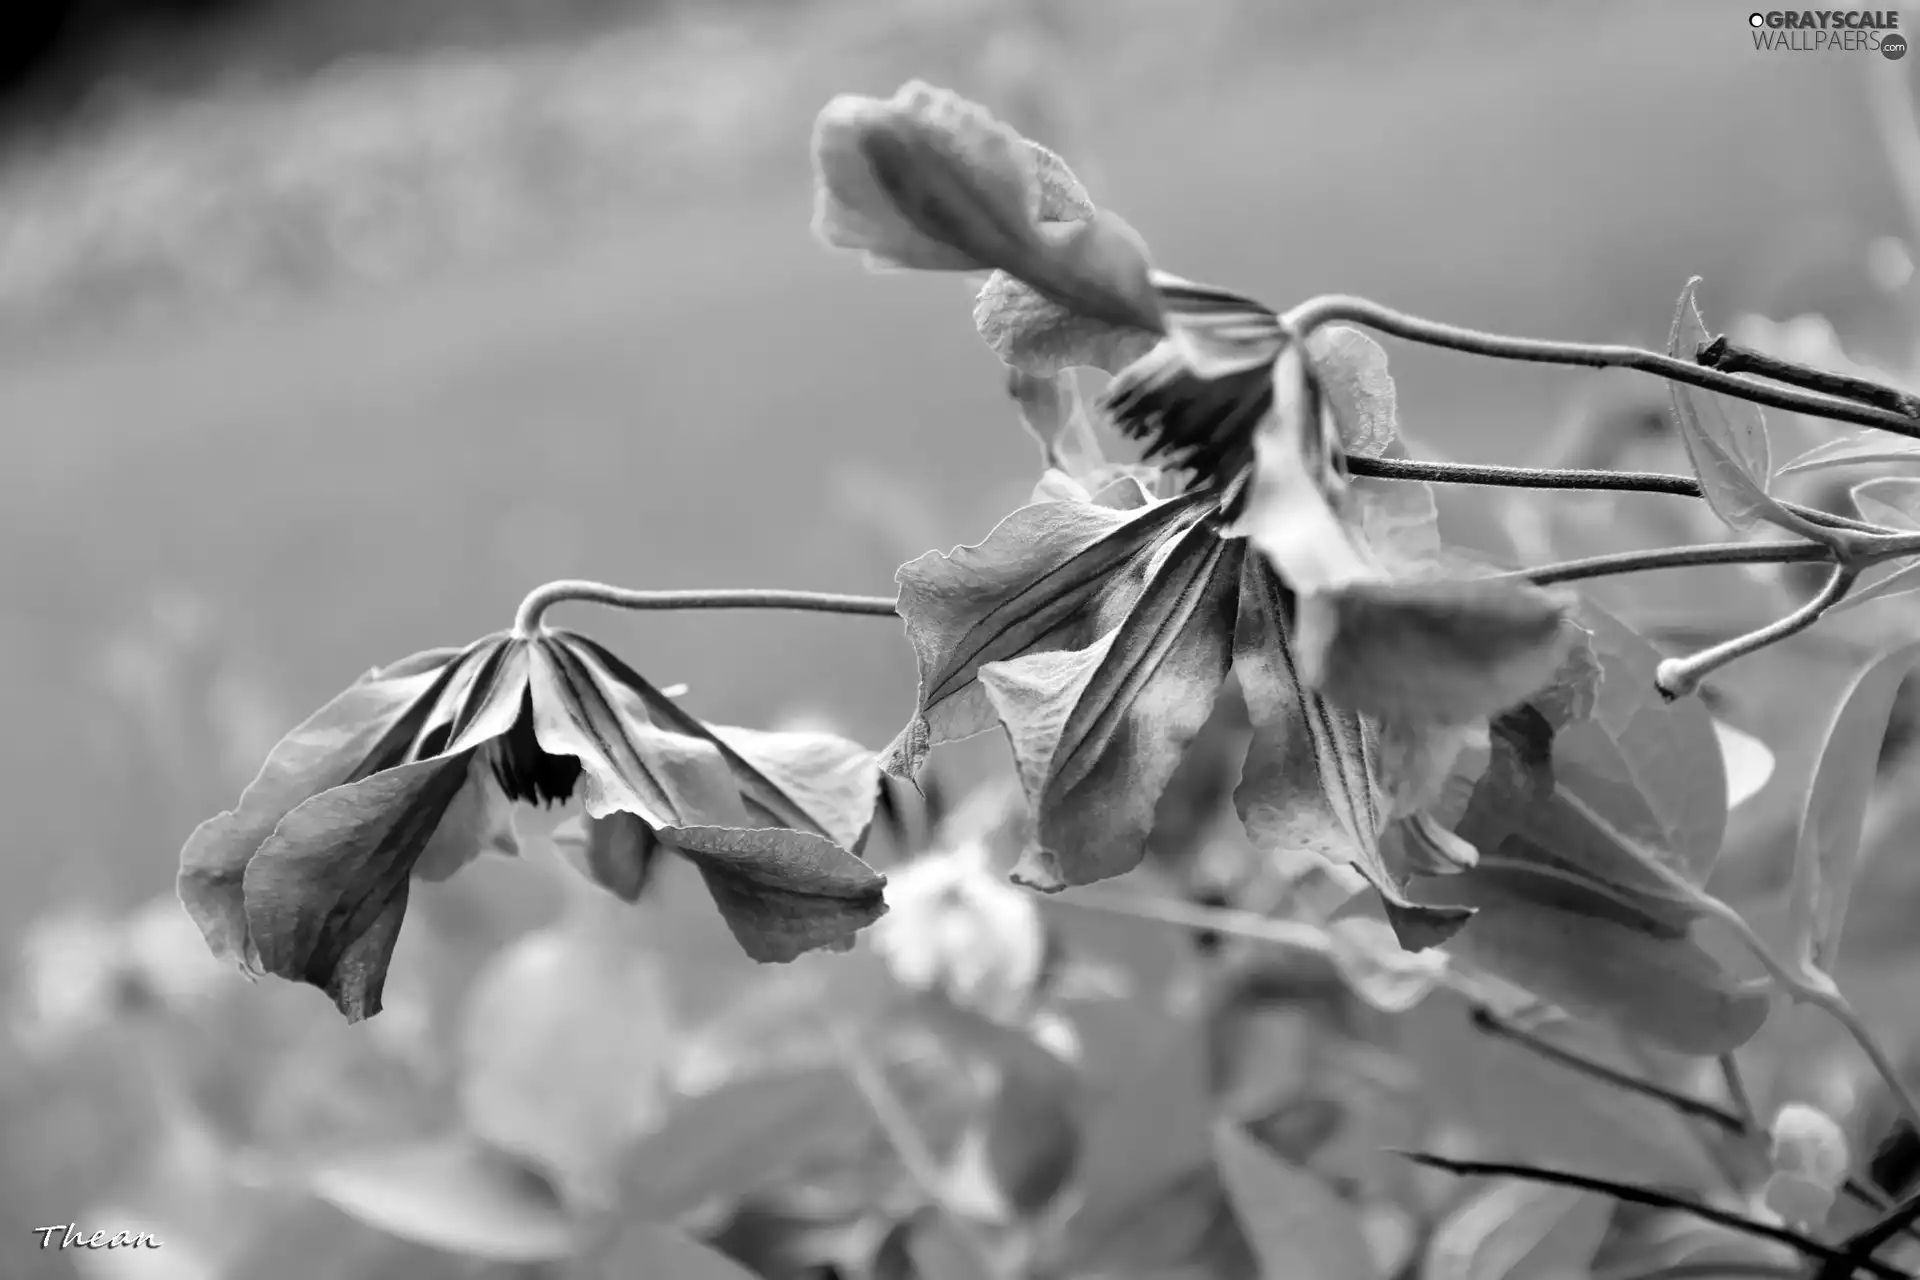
x: 1738, y: 1123
x: 1822, y: 995
x: 1678, y: 677
x: 1599, y: 480
x: 1488, y: 1021
x: 1731, y: 357
x: 1722, y: 1270
x: 1614, y: 563
x: 1862, y: 1244
x: 903, y: 1135
x: 1631, y: 1194
x: 527, y: 620
x: 1337, y: 308
x: 1737, y: 1092
x: 1249, y: 925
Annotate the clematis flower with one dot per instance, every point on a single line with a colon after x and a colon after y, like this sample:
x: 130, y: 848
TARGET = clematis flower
x: 413, y: 771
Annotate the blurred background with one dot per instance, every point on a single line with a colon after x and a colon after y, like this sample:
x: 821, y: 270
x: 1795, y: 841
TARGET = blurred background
x: 328, y: 329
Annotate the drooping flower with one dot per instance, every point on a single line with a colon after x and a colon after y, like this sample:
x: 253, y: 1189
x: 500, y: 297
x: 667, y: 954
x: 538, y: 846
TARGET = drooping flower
x: 414, y: 770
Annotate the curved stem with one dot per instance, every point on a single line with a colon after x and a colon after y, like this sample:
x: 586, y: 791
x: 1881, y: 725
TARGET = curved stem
x: 1598, y: 480
x: 1614, y: 563
x: 1335, y: 308
x: 1652, y: 1199
x: 527, y: 620
x: 1678, y: 677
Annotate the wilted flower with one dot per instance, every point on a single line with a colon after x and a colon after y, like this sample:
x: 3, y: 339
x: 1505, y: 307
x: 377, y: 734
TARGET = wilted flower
x: 413, y: 771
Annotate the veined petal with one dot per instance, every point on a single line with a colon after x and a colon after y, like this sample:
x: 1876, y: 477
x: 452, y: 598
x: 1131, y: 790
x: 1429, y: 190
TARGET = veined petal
x: 1050, y: 576
x: 326, y: 892
x: 629, y: 760
x: 809, y: 781
x: 1097, y: 732
x: 1310, y: 777
x: 361, y: 731
x: 480, y: 820
x: 782, y: 892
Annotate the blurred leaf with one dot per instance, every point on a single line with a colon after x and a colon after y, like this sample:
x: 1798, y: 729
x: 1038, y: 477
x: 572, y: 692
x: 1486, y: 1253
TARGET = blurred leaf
x: 1296, y: 1224
x: 645, y: 1250
x: 1829, y: 848
x: 1749, y: 763
x: 1515, y: 1230
x: 727, y: 1142
x: 1855, y: 450
x: 566, y: 1042
x: 1889, y: 500
x: 939, y: 1253
x: 1153, y: 1122
x: 1381, y: 971
x: 451, y: 1193
x: 1726, y: 439
x: 1185, y: 1229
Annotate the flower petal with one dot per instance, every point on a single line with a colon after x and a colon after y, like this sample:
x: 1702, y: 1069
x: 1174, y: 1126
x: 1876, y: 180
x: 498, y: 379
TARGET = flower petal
x: 629, y: 761
x: 810, y: 781
x: 925, y: 179
x: 326, y: 893
x: 783, y: 893
x: 1037, y: 335
x: 1433, y: 651
x: 1097, y: 732
x: 480, y: 820
x: 618, y: 852
x: 1050, y: 576
x: 1309, y: 782
x: 361, y: 730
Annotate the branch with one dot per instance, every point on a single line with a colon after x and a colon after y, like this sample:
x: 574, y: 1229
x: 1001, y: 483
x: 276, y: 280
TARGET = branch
x: 527, y: 620
x: 1336, y: 308
x: 1858, y: 1249
x: 1647, y: 1196
x: 1731, y: 357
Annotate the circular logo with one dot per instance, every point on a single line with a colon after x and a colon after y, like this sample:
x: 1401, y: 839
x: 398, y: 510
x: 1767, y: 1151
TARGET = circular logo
x: 1756, y: 19
x: 1893, y: 46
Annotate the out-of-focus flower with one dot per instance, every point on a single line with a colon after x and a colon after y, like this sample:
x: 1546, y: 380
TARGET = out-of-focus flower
x: 1809, y: 1154
x: 413, y: 771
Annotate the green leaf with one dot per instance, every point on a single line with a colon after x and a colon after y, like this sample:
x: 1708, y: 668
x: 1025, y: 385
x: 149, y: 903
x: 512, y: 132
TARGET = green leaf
x: 1725, y: 439
x: 1516, y: 1230
x: 1308, y: 779
x: 1829, y: 847
x: 646, y: 1249
x: 1098, y: 732
x: 1296, y: 1224
x: 566, y: 1042
x: 450, y: 1193
x: 1852, y: 451
x: 1051, y: 576
x: 1890, y: 500
x: 728, y: 1143
x: 1150, y: 1126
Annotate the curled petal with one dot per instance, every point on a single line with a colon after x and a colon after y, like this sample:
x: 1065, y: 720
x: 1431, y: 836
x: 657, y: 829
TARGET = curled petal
x: 782, y: 893
x: 1437, y: 651
x: 618, y: 852
x: 1033, y: 333
x: 480, y: 820
x: 364, y: 729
